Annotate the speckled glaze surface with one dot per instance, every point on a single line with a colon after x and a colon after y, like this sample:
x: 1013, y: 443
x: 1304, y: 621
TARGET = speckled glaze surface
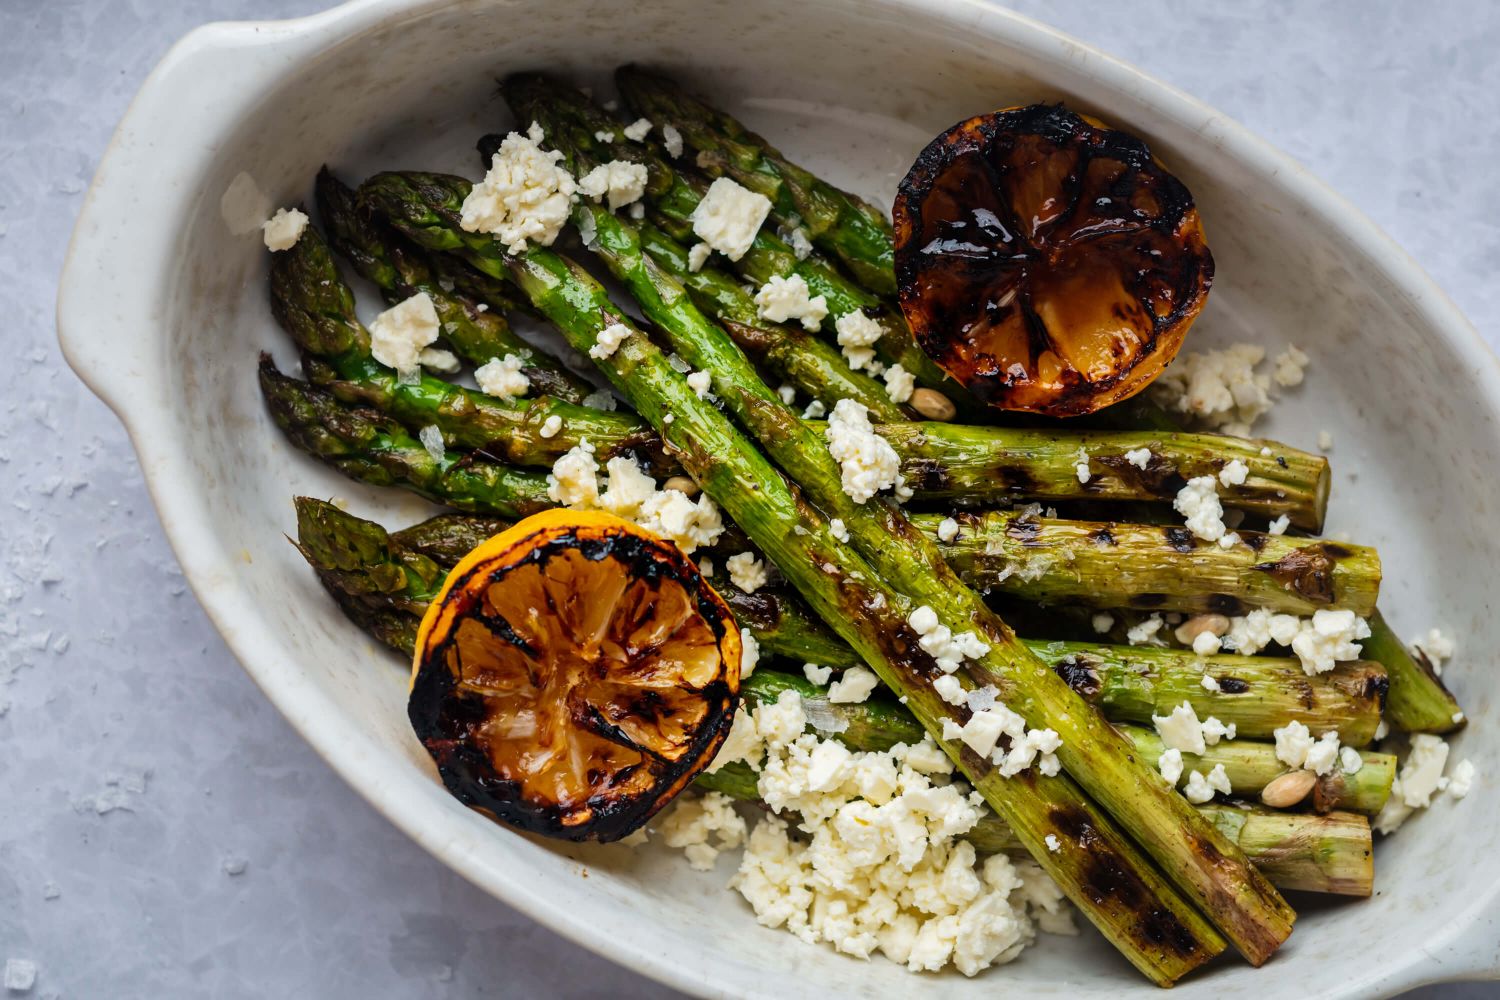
x: 236, y: 119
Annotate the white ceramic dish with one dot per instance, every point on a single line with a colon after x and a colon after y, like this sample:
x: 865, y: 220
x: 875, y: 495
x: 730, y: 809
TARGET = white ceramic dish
x: 162, y: 309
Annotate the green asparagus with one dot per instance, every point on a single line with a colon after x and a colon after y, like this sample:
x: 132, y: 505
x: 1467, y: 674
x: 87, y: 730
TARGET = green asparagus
x: 476, y: 329
x: 1150, y: 924
x: 313, y: 304
x: 847, y: 226
x: 1418, y: 701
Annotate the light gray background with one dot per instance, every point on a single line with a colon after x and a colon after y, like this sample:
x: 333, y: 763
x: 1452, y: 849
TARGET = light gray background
x: 140, y: 768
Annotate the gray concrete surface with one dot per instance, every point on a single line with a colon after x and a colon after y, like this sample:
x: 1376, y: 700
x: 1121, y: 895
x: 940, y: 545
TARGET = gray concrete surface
x: 163, y: 833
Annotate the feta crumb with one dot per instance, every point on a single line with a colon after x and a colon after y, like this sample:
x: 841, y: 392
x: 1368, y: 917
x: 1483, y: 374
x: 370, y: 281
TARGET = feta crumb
x: 947, y: 529
x: 702, y: 827
x: 1053, y: 844
x: 787, y: 393
x: 609, y: 340
x: 1209, y: 681
x: 551, y: 426
x: 802, y: 247
x: 816, y: 674
x: 1198, y: 502
x: 1197, y: 790
x: 398, y: 335
x: 1436, y: 647
x: 899, y: 383
x: 637, y: 130
x: 1350, y: 761
x: 282, y: 230
x: 618, y: 181
x: 867, y: 462
x: 1214, y: 731
x: 431, y: 437
x: 782, y: 299
x: 524, y: 198
x: 700, y: 382
x: 858, y: 332
x: 1325, y: 441
x: 950, y: 689
x: 1279, y: 526
x: 20, y: 975
x: 503, y: 378
x: 1207, y: 644
x: 1081, y: 466
x: 1170, y: 765
x: 1139, y: 457
x: 838, y: 530
x: 672, y: 140
x: 698, y: 255
x: 604, y: 135
x: 1295, y: 747
x: 747, y: 572
x: 1221, y: 389
x: 1461, y: 781
x: 1180, y: 729
x: 1421, y: 777
x: 1234, y: 473
x: 438, y: 360
x: 749, y: 653
x: 1102, y: 621
x: 1144, y: 633
x: 853, y: 686
x: 1288, y: 367
x: 1331, y: 636
x: 728, y: 217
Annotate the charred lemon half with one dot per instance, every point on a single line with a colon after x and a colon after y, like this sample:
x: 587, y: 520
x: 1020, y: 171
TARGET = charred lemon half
x: 1048, y: 262
x: 573, y: 675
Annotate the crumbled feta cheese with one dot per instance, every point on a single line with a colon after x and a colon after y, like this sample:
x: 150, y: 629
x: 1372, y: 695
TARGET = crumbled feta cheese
x: 609, y: 340
x: 984, y: 729
x: 782, y: 299
x: 551, y: 426
x: 814, y: 410
x: 431, y: 437
x: 1279, y: 526
x: 1288, y: 366
x: 1234, y: 473
x: 858, y: 332
x: 802, y: 247
x: 747, y: 572
x: 1350, y: 761
x: 503, y: 378
x: 525, y: 197
x: 1209, y: 681
x: 946, y: 649
x: 604, y: 135
x: 573, y: 481
x: 1170, y: 765
x: 1139, y: 457
x: 899, y: 383
x: 1199, y: 789
x: 1421, y: 777
x: 698, y: 255
x: 1382, y: 729
x: 703, y: 826
x: 1323, y: 756
x: 1325, y: 441
x: 1214, y: 731
x: 1295, y: 747
x: 637, y: 130
x: 438, y: 360
x: 20, y: 975
x: 1221, y: 389
x: 853, y: 686
x: 700, y: 382
x: 672, y: 140
x: 749, y: 653
x: 838, y: 530
x: 867, y: 462
x: 947, y: 529
x: 816, y: 674
x: 1102, y: 621
x: 1198, y: 502
x: 1144, y: 633
x: 1081, y: 466
x: 282, y: 230
x: 787, y: 393
x: 1207, y: 644
x: 618, y: 181
x: 1436, y: 647
x: 950, y: 689
x: 398, y: 335
x: 1053, y: 844
x: 728, y: 217
x: 1180, y: 729
x: 1331, y: 636
x: 632, y: 495
x: 1461, y: 781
